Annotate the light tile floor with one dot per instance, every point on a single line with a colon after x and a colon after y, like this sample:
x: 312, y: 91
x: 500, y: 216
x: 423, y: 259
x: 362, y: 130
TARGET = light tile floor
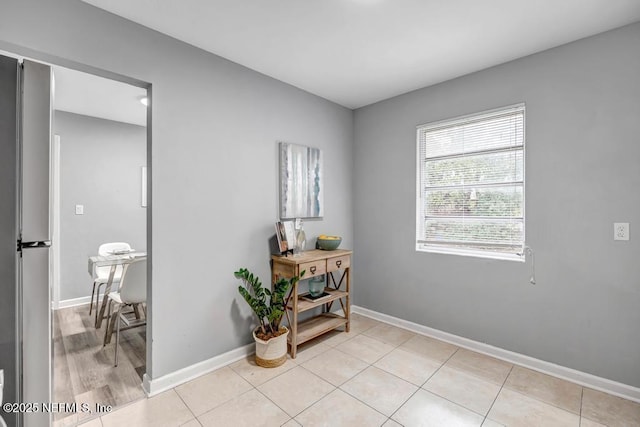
x: 377, y: 375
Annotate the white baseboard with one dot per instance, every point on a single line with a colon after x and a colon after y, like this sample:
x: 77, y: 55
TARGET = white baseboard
x: 578, y: 377
x: 72, y: 302
x: 158, y: 385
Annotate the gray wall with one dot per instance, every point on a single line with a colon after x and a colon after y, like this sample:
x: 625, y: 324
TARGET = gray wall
x: 100, y: 168
x: 214, y: 166
x: 582, y: 175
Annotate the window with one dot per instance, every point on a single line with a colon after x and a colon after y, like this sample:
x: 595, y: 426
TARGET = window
x: 470, y: 197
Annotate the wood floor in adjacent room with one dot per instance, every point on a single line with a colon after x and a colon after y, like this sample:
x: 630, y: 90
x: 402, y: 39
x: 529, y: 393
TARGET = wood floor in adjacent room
x: 83, y: 370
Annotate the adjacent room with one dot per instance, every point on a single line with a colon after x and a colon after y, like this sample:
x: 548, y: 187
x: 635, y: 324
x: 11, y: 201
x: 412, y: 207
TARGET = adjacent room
x: 351, y: 212
x: 99, y: 177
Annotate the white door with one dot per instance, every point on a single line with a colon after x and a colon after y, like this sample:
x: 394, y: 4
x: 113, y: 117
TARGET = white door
x: 34, y: 227
x: 9, y: 340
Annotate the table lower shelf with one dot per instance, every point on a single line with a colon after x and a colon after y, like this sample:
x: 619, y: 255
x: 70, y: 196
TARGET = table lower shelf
x: 304, y: 305
x: 316, y: 326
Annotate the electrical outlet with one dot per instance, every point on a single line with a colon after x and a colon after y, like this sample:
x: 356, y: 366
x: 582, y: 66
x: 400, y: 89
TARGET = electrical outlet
x: 79, y: 209
x: 620, y: 231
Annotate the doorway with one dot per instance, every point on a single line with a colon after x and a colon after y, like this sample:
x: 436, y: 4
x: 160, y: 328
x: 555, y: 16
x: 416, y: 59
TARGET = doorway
x: 99, y: 168
x: 77, y: 131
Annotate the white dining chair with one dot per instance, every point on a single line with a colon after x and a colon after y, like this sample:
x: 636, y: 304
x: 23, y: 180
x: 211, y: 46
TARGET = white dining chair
x: 133, y: 293
x: 101, y: 274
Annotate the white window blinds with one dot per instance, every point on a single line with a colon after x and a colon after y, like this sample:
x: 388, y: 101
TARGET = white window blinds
x: 471, y: 184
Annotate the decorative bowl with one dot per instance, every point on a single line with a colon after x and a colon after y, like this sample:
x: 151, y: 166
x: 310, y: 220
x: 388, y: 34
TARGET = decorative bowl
x: 328, y: 243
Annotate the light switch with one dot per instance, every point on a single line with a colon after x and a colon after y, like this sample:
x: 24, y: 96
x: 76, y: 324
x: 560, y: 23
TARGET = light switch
x: 79, y: 209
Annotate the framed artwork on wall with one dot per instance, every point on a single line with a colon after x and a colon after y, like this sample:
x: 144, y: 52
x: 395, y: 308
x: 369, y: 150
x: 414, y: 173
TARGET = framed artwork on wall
x: 301, y: 188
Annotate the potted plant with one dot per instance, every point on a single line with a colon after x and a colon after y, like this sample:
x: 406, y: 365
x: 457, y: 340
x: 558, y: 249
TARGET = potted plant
x: 269, y: 307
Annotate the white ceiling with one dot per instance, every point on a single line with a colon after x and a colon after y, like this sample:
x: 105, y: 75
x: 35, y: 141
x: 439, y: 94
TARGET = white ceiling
x: 356, y: 52
x: 90, y: 95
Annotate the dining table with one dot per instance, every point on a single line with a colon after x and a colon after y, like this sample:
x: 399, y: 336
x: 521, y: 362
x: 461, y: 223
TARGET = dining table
x: 113, y: 260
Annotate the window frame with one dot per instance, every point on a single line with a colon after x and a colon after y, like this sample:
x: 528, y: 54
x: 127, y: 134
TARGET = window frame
x: 420, y: 187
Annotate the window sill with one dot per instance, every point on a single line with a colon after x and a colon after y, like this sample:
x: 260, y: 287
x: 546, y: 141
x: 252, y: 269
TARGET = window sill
x: 474, y: 254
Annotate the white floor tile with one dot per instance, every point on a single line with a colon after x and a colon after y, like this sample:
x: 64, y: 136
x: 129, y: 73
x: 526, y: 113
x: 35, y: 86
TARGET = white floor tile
x: 335, y: 366
x: 466, y: 390
x: 514, y: 409
x: 247, y: 410
x: 210, y: 390
x: 295, y: 390
x: 365, y: 348
x: 408, y: 366
x: 338, y: 409
x: 426, y: 409
x: 379, y: 389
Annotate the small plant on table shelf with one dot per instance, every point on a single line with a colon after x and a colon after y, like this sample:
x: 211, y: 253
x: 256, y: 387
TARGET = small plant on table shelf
x: 267, y: 305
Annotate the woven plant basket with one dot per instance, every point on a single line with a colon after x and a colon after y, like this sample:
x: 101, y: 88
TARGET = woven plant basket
x: 271, y: 353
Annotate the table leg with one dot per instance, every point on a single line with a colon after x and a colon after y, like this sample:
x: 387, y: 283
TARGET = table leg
x: 347, y: 308
x: 294, y: 324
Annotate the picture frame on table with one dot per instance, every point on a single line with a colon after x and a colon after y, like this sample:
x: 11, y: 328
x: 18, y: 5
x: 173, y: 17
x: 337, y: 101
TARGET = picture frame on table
x: 281, y: 234
x: 285, y: 233
x: 290, y: 232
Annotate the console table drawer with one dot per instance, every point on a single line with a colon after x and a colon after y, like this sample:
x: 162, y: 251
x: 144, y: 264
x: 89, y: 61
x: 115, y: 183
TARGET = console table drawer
x: 284, y: 270
x: 338, y: 263
x: 315, y: 268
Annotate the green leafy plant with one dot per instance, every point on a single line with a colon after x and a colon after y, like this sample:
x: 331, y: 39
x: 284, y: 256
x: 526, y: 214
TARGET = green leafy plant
x: 267, y: 305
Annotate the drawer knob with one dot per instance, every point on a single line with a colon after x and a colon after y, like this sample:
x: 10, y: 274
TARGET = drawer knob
x: 339, y: 263
x: 312, y: 269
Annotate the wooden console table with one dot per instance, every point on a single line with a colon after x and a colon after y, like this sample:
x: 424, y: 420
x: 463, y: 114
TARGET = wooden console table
x: 315, y: 263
